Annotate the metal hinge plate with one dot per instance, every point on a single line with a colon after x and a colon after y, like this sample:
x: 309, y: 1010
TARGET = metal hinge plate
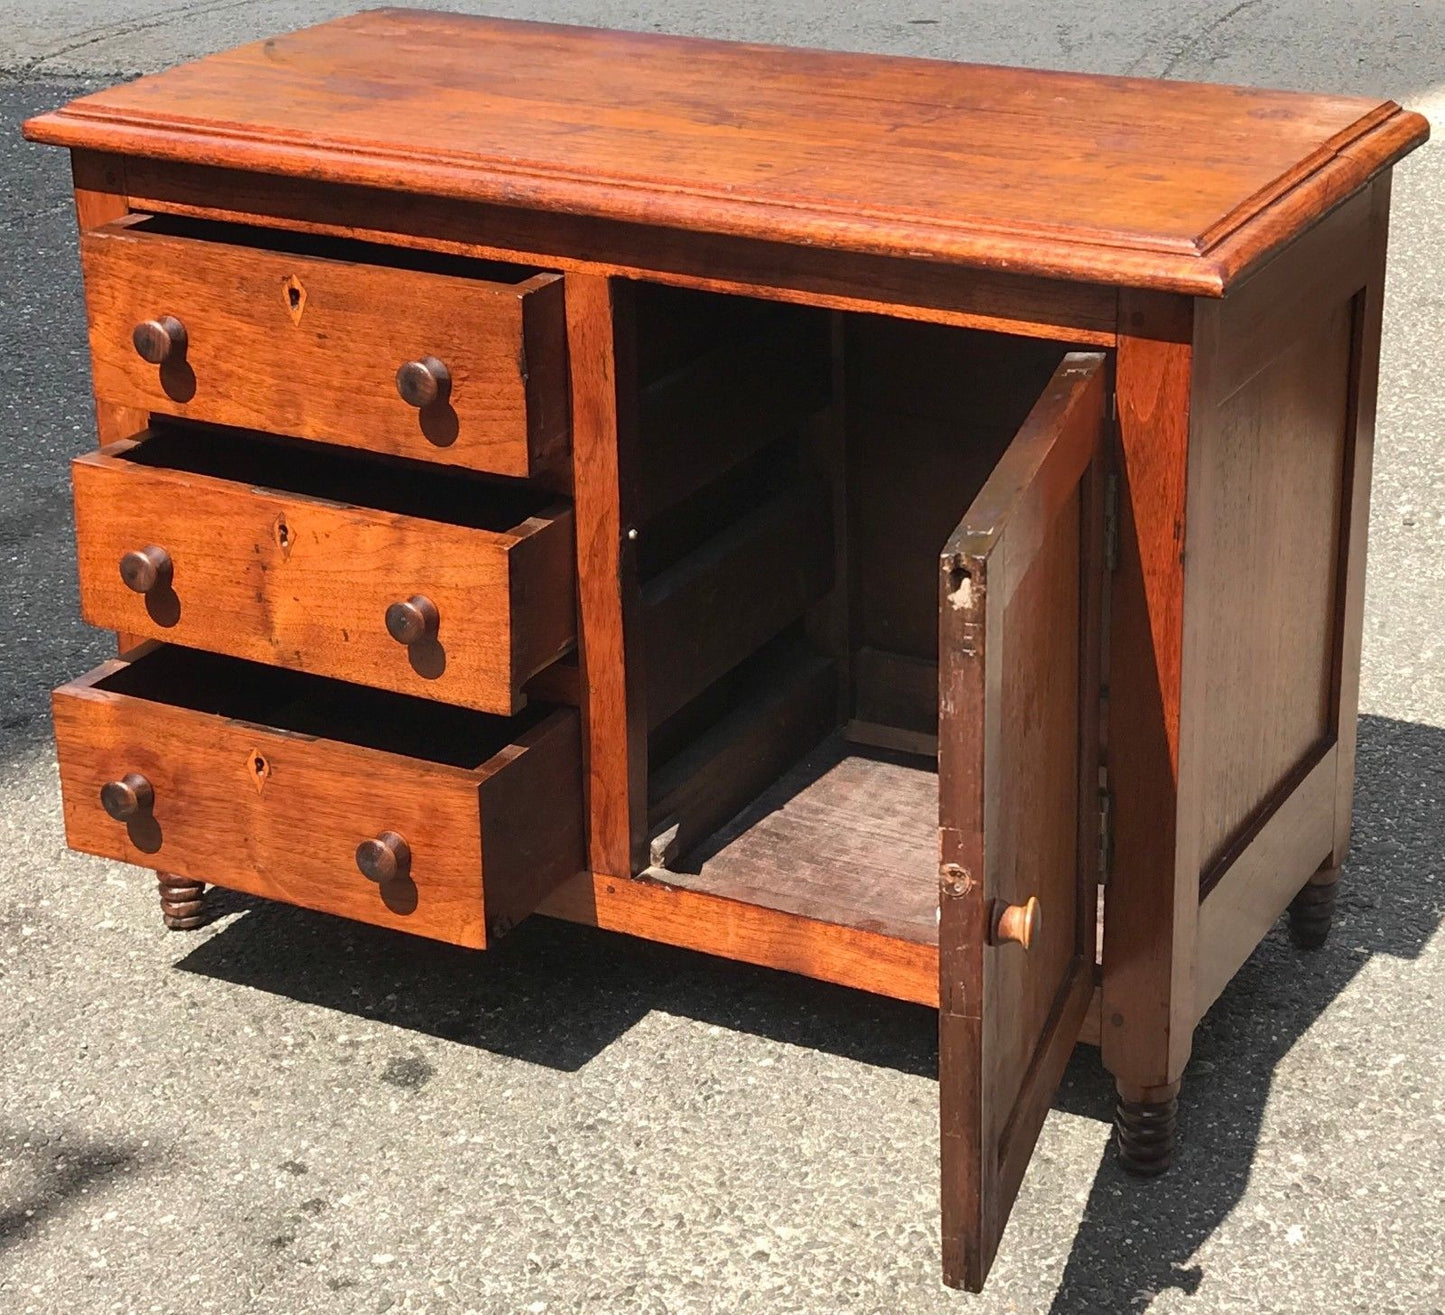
x: 1106, y: 828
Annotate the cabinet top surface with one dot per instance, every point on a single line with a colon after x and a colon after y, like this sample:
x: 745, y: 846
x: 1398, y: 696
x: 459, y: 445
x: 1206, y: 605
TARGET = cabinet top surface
x: 1133, y: 181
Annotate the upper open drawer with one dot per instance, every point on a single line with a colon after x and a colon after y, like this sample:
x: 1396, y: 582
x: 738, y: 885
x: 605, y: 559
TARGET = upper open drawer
x: 411, y: 353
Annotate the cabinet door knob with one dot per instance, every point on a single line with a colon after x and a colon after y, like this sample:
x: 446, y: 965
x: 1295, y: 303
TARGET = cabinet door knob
x: 143, y: 569
x: 412, y: 621
x: 424, y: 383
x: 1019, y: 923
x: 160, y: 340
x: 127, y: 797
x: 384, y: 859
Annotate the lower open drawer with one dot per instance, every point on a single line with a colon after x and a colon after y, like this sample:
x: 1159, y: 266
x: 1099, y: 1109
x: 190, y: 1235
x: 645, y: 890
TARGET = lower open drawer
x: 379, y: 807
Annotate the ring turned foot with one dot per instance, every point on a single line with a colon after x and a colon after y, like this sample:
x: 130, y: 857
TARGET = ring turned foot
x: 1313, y: 910
x: 1144, y: 1131
x: 183, y: 902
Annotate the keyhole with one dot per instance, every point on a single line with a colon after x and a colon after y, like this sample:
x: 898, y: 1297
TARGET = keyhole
x: 295, y: 293
x: 260, y: 771
x: 282, y: 532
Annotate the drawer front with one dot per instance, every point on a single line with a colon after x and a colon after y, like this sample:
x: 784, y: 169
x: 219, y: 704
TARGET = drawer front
x: 281, y: 815
x: 302, y: 583
x: 311, y: 347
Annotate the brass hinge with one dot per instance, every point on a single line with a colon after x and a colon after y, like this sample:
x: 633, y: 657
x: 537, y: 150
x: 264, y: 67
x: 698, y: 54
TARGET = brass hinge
x: 1111, y: 521
x: 1106, y: 828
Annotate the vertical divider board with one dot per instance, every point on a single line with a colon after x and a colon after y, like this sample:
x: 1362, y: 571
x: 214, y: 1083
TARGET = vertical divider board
x: 601, y: 344
x: 1020, y: 594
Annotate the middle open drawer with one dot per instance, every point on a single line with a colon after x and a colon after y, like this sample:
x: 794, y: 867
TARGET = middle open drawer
x: 395, y: 574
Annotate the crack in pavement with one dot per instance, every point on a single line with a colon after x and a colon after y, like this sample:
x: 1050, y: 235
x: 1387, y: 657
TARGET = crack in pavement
x: 1182, y: 41
x: 94, y: 36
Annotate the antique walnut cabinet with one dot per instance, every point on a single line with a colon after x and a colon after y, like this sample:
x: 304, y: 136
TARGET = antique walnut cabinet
x: 895, y: 521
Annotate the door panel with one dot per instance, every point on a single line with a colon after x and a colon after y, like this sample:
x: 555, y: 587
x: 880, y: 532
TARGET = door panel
x: 1019, y: 606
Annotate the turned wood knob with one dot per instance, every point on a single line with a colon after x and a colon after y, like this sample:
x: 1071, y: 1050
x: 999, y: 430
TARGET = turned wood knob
x: 159, y: 341
x: 1019, y: 923
x: 384, y: 859
x: 424, y: 382
x: 412, y: 621
x: 143, y: 569
x: 127, y: 797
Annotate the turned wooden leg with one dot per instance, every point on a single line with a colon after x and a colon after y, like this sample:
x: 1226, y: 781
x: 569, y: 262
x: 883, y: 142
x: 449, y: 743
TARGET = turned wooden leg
x: 1313, y: 910
x: 1144, y: 1126
x: 183, y: 901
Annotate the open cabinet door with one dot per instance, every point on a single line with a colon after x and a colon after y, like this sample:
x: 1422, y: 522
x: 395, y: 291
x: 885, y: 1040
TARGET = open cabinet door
x: 1018, y: 753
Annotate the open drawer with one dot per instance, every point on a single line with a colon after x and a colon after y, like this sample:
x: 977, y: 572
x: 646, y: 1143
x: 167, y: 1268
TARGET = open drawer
x: 909, y: 802
x: 389, y: 810
x: 450, y: 359
x: 442, y: 584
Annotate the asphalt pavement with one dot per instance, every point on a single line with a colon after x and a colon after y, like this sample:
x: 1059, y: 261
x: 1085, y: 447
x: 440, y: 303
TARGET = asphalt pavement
x: 288, y: 1113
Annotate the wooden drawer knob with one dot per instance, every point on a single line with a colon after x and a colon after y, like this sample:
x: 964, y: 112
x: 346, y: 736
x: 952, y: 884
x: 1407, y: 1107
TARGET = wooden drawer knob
x: 128, y: 797
x: 143, y: 569
x: 1019, y: 923
x: 412, y: 621
x: 159, y: 341
x: 424, y: 383
x: 387, y: 858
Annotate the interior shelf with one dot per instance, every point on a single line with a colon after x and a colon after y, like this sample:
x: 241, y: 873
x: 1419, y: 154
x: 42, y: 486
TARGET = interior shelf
x: 847, y: 835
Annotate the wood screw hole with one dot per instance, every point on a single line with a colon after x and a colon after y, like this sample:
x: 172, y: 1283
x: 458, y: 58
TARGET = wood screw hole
x: 960, y: 585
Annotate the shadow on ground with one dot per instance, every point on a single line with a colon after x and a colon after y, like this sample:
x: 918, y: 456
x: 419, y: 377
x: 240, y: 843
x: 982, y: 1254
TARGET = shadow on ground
x: 556, y: 994
x: 61, y: 1173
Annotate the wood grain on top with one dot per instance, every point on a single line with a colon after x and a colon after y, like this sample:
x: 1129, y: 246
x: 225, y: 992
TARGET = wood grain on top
x: 1135, y: 181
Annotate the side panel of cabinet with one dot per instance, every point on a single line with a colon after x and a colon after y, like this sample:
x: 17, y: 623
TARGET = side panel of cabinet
x: 1245, y: 430
x: 1283, y: 432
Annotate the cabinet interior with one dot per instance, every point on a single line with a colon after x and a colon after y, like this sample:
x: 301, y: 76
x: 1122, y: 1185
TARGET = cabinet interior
x: 799, y: 473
